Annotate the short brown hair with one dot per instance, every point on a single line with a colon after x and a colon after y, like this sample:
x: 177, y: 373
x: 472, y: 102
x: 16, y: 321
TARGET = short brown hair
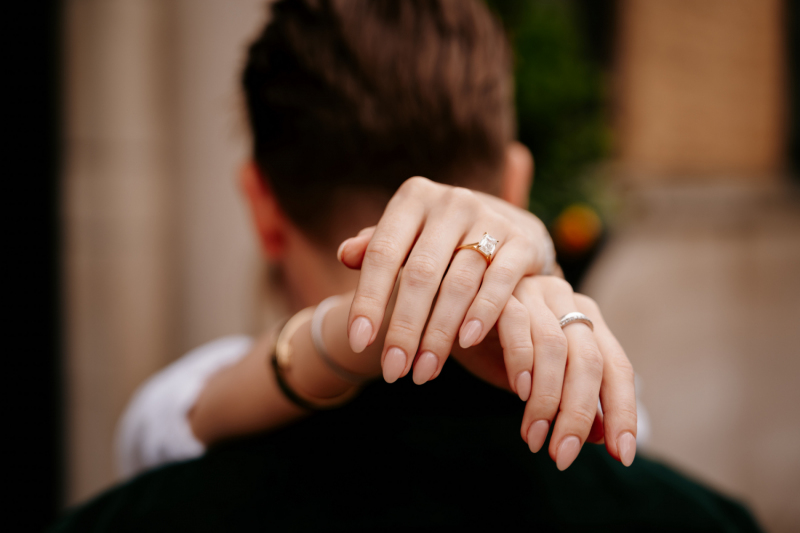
x: 363, y: 94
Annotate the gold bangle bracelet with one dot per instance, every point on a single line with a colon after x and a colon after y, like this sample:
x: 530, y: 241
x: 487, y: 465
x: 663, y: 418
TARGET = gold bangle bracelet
x: 281, y: 359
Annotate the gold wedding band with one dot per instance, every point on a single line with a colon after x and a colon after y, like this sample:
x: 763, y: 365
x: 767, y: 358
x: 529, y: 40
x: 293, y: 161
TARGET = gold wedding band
x: 486, y: 247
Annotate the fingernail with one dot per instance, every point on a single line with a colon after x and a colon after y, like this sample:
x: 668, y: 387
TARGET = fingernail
x: 470, y: 333
x: 537, y: 434
x: 360, y: 334
x: 393, y: 364
x: 340, y: 251
x: 425, y: 366
x: 567, y: 452
x: 626, y: 444
x: 523, y: 385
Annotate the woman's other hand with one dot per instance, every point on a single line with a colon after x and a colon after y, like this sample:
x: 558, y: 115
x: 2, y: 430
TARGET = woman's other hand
x: 563, y: 372
x: 421, y: 227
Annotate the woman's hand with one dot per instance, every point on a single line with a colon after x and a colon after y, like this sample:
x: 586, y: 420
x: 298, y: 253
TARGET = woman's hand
x: 421, y: 227
x: 564, y: 371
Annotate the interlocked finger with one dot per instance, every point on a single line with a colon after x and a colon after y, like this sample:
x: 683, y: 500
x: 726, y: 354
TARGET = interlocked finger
x: 458, y: 290
x: 514, y: 329
x: 419, y: 284
x: 384, y: 256
x: 583, y: 376
x: 499, y: 281
x: 618, y: 389
x: 549, y: 363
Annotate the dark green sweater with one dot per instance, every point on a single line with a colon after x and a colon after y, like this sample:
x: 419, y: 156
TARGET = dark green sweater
x: 443, y: 456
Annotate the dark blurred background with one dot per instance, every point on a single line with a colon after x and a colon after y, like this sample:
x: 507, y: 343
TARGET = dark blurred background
x: 32, y: 394
x: 666, y: 138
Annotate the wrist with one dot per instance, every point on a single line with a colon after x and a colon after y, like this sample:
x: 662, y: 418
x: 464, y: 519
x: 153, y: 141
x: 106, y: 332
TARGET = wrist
x: 364, y: 366
x: 303, y: 370
x: 312, y: 359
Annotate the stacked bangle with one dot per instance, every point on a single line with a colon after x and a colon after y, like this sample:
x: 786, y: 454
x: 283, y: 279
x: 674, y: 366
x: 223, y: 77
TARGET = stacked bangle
x: 281, y: 358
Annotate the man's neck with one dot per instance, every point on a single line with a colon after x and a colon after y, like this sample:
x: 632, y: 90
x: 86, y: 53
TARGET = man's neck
x: 312, y: 274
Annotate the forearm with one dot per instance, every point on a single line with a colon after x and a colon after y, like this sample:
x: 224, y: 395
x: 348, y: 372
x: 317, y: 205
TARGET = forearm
x: 246, y: 398
x: 154, y: 428
x: 240, y: 399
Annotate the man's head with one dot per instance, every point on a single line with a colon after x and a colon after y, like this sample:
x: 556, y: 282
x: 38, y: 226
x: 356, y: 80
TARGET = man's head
x: 349, y: 98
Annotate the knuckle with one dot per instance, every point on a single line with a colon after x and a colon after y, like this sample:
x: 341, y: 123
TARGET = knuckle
x: 438, y: 336
x: 381, y: 253
x: 592, y: 361
x: 492, y: 216
x: 547, y: 400
x: 518, y: 312
x: 519, y: 349
x: 487, y: 306
x: 626, y: 412
x: 491, y: 220
x: 624, y: 368
x: 461, y: 283
x: 516, y: 236
x: 528, y: 240
x: 583, y: 414
x: 401, y: 328
x: 420, y: 271
x: 552, y: 340
x: 517, y: 339
x: 585, y: 302
x: 503, y: 274
x: 459, y: 200
x: 367, y: 300
x: 461, y: 195
x: 557, y: 284
x: 415, y: 184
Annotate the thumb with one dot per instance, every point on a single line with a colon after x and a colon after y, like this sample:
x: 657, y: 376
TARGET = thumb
x: 351, y: 252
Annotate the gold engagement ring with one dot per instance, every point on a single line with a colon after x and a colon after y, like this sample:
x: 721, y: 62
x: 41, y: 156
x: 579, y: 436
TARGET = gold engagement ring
x: 486, y: 247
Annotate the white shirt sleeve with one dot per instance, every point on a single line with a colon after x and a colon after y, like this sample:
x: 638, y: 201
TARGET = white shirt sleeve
x: 643, y: 431
x: 154, y: 429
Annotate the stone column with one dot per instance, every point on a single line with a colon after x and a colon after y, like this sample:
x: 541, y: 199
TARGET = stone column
x: 118, y: 217
x: 158, y: 254
x: 701, y: 89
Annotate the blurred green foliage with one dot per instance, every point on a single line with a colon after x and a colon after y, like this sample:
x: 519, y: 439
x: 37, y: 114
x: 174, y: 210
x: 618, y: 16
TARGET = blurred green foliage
x: 560, y: 101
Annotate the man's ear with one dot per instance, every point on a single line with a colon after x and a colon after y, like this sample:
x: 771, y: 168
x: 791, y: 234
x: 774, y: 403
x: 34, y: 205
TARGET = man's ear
x: 270, y: 223
x: 517, y: 175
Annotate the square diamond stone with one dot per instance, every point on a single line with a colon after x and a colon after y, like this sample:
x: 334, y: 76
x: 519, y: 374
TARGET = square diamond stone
x: 487, y: 244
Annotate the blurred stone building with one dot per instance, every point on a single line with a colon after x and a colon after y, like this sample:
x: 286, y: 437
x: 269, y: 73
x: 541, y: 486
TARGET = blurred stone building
x: 698, y: 279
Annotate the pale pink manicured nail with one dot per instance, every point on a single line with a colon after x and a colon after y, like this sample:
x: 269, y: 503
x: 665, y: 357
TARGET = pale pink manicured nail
x: 340, y: 251
x: 470, y: 333
x: 425, y: 366
x: 524, y: 385
x: 360, y: 334
x: 626, y: 444
x: 393, y: 364
x: 567, y: 452
x: 537, y: 434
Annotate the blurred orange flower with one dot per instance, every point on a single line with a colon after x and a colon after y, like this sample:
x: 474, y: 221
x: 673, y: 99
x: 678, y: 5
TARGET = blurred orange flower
x: 577, y: 229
